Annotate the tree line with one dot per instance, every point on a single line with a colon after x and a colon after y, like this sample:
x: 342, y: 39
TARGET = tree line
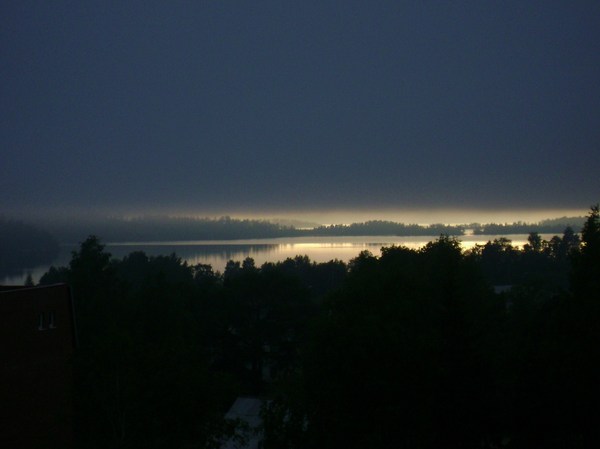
x: 543, y: 227
x: 413, y: 348
x: 164, y: 228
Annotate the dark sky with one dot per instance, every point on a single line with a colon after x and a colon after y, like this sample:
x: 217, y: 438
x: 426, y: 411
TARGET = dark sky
x: 298, y: 105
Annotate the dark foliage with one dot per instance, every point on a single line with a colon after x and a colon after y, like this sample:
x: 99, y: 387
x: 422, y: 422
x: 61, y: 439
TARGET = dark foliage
x: 411, y: 349
x: 540, y: 262
x: 164, y: 348
x: 416, y: 351
x: 396, y: 358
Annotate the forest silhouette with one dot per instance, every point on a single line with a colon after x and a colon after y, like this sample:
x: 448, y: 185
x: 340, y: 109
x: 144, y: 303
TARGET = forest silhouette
x: 437, y: 347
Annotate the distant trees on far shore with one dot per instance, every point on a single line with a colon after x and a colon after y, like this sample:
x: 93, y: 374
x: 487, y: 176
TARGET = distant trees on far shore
x: 380, y: 227
x: 548, y: 226
x: 227, y: 228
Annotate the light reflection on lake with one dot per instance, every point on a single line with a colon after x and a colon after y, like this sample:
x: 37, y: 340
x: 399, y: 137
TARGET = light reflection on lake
x: 218, y: 252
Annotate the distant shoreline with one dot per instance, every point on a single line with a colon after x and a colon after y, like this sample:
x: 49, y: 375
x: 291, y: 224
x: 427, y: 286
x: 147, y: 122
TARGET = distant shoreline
x: 227, y: 228
x: 157, y: 228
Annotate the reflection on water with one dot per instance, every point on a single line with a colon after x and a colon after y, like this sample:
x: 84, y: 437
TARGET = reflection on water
x: 217, y: 253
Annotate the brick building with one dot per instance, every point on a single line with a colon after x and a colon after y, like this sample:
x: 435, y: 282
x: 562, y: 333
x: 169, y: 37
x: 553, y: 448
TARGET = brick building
x: 37, y: 342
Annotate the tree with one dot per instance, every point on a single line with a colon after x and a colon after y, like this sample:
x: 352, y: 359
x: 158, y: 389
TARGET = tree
x: 535, y: 242
x: 591, y: 232
x: 400, y: 356
x: 497, y: 260
x: 29, y: 281
x: 555, y: 351
x: 142, y: 376
x: 586, y: 264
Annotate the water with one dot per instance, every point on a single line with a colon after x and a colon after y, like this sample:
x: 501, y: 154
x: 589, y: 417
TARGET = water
x: 218, y: 252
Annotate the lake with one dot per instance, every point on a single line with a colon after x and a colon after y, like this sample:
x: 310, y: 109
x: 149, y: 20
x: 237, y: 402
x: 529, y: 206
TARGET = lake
x: 218, y: 252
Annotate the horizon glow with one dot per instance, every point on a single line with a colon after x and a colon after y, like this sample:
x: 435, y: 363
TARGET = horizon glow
x: 322, y: 217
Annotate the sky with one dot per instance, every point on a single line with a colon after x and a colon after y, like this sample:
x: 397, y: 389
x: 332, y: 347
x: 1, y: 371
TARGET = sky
x: 304, y: 108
